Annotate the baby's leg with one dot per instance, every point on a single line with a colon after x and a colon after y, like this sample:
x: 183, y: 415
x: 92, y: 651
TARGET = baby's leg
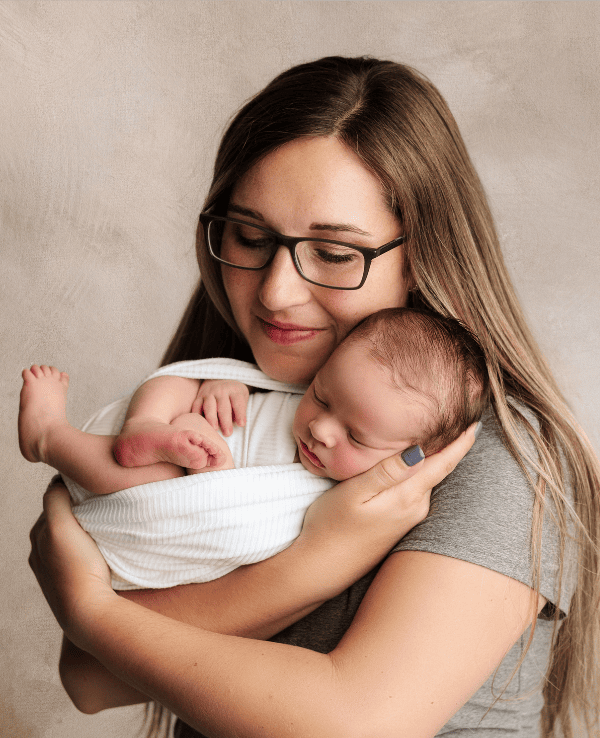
x: 147, y: 436
x: 217, y: 452
x: 45, y: 435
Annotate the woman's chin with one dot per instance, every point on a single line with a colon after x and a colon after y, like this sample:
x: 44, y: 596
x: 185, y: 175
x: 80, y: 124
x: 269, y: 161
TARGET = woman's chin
x: 289, y: 368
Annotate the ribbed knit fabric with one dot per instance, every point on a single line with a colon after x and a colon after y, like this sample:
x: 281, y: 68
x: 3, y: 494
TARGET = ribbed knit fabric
x: 200, y: 527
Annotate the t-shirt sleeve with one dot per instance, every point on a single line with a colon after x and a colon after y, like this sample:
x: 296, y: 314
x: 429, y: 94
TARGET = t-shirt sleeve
x: 482, y: 513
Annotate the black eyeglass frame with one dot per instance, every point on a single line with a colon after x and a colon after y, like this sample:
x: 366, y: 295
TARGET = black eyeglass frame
x: 290, y: 243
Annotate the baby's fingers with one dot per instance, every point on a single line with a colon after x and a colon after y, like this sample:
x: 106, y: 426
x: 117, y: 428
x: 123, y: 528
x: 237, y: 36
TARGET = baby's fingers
x: 239, y: 402
x: 224, y: 411
x: 209, y: 409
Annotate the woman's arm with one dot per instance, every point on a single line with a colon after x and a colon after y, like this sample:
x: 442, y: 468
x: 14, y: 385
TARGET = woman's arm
x: 346, y: 532
x: 427, y: 635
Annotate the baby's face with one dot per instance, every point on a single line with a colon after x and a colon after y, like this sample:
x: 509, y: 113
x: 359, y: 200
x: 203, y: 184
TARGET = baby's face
x: 351, y: 417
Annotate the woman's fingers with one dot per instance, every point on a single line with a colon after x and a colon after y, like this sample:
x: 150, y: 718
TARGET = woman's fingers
x: 39, y: 527
x: 57, y: 505
x: 66, y: 562
x: 390, y: 498
x: 391, y: 476
x: 392, y: 471
x: 438, y: 466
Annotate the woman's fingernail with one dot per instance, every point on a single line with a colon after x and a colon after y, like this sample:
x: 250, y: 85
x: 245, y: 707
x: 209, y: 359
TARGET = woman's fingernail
x: 478, y: 428
x: 412, y: 455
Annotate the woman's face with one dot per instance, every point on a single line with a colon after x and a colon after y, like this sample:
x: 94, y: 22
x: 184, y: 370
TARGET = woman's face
x: 319, y: 187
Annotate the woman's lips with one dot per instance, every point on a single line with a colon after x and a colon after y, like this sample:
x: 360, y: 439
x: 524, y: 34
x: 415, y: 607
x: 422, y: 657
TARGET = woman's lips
x: 287, y: 333
x: 310, y: 456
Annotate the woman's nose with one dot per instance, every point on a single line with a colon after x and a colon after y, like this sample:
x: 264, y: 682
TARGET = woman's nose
x: 282, y: 286
x: 322, y: 431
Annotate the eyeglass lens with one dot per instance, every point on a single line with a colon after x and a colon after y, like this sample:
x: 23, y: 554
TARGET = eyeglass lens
x: 329, y: 264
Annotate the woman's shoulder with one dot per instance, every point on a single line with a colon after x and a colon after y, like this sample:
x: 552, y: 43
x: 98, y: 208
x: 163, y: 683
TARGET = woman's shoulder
x: 490, y: 465
x: 483, y: 513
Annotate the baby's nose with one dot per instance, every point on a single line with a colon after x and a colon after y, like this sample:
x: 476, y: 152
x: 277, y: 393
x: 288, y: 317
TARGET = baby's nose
x: 322, y: 432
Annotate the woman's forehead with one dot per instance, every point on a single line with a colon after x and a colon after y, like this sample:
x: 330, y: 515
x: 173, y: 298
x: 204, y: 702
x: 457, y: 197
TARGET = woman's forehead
x: 314, y: 181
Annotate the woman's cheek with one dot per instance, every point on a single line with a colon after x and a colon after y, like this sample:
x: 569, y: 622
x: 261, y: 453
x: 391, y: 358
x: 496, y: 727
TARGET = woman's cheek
x: 240, y: 287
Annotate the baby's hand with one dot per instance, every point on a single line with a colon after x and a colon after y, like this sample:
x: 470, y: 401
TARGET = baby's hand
x: 222, y: 402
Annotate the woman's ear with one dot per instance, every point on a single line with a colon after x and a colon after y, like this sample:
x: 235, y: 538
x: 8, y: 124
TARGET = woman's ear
x: 410, y: 281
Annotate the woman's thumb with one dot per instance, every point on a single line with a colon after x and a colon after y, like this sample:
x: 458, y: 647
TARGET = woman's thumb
x: 397, y: 468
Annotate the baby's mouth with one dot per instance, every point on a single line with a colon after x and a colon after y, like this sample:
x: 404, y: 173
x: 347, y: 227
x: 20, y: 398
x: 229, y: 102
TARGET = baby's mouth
x: 310, y: 456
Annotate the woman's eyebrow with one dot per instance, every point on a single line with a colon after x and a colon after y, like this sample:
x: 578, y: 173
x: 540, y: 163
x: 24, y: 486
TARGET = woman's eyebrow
x: 233, y: 208
x: 347, y: 227
x: 334, y: 227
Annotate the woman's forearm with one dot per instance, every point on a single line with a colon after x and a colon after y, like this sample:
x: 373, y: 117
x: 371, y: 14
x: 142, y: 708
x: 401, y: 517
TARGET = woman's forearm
x: 394, y: 672
x: 255, y: 601
x: 259, y: 600
x: 255, y: 688
x: 347, y: 531
x: 90, y: 685
x: 214, y: 606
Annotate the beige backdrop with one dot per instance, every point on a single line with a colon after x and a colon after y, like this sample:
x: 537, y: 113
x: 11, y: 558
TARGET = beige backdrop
x: 110, y: 116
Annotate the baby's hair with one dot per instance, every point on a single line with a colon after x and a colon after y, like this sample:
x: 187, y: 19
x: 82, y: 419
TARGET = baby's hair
x: 438, y: 359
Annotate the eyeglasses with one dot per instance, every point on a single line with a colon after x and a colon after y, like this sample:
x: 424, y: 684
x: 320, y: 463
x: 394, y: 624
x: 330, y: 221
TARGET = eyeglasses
x: 321, y: 261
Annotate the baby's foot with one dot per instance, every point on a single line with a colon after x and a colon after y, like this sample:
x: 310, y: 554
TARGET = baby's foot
x: 42, y: 409
x: 217, y: 455
x: 147, y: 441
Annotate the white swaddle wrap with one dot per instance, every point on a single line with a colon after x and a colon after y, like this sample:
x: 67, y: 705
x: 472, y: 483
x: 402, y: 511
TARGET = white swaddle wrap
x: 200, y: 527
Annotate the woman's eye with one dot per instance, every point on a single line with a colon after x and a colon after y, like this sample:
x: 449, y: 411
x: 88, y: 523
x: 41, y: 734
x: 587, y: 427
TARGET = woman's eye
x: 253, y: 239
x: 254, y: 243
x: 335, y: 254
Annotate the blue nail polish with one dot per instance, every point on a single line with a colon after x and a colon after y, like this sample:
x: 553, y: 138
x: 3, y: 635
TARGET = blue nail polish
x: 478, y: 428
x: 412, y: 455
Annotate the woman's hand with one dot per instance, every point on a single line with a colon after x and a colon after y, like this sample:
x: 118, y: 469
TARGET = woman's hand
x: 67, y: 564
x: 359, y: 520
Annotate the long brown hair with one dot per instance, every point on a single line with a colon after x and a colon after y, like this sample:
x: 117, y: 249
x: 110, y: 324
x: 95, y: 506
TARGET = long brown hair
x: 397, y: 122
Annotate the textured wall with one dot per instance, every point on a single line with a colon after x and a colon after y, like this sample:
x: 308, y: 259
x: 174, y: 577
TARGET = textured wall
x: 110, y: 116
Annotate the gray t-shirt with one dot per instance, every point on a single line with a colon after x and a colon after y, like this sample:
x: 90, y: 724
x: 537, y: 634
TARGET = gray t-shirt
x: 481, y: 513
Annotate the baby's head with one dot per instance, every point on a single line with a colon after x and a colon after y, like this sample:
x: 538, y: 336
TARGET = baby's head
x: 401, y: 377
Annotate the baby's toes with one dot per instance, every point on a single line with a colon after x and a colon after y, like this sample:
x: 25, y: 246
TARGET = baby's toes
x: 198, y: 458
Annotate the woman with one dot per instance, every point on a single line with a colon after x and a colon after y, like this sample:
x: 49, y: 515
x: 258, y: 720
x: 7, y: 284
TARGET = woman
x: 437, y: 637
